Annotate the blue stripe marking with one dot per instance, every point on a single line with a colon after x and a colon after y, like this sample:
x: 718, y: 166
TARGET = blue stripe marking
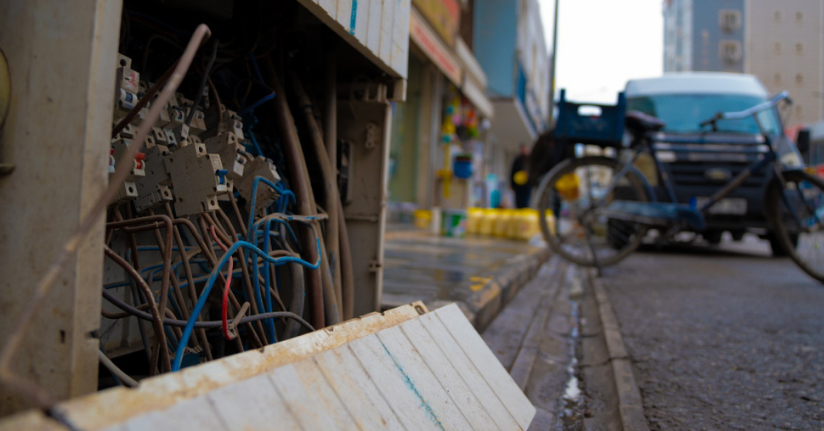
x: 411, y: 385
x: 353, y: 21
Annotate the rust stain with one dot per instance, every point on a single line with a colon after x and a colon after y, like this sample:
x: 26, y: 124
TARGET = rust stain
x: 115, y: 406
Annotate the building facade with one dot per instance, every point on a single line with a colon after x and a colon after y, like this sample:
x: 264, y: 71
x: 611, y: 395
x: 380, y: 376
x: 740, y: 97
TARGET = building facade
x: 446, y: 115
x: 477, y: 87
x: 510, y: 46
x: 781, y: 42
x: 785, y: 49
x: 516, y: 60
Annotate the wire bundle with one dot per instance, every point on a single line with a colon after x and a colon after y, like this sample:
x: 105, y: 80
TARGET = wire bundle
x: 209, y: 256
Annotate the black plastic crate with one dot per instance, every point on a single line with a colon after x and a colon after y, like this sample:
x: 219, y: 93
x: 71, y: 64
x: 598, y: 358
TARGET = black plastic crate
x: 581, y: 123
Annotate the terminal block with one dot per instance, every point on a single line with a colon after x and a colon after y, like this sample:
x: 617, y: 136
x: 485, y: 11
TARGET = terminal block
x: 226, y: 121
x: 231, y: 152
x: 198, y: 179
x: 163, y: 120
x: 128, y: 132
x: 153, y: 189
x: 198, y: 125
x: 128, y: 190
x: 128, y: 85
x: 258, y: 167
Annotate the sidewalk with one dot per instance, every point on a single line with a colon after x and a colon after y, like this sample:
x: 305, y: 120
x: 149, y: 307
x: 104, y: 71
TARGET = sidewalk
x: 480, y: 274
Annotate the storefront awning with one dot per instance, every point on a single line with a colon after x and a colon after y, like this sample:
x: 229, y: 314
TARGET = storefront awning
x: 459, y: 66
x: 474, y: 82
x: 511, y: 125
x: 422, y: 35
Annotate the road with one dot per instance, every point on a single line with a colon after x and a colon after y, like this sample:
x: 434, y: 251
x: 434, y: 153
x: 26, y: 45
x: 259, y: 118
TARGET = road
x: 722, y: 338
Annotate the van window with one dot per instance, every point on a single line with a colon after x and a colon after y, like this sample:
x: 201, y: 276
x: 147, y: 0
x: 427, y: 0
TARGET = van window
x: 684, y: 112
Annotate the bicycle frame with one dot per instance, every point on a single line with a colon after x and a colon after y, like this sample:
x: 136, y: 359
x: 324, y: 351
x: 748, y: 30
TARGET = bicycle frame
x: 769, y: 158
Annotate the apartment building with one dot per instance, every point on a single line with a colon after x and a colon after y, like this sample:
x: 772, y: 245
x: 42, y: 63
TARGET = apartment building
x: 781, y: 42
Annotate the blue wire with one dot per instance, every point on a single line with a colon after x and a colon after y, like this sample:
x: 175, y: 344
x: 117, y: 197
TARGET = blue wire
x: 263, y: 100
x: 254, y: 198
x: 256, y: 68
x: 201, y: 302
x: 254, y: 141
x: 270, y: 323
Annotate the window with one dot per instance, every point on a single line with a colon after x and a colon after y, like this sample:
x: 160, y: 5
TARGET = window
x: 777, y: 16
x: 799, y: 113
x: 730, y: 20
x: 799, y: 79
x: 730, y: 51
x: 799, y: 16
x: 684, y: 112
x: 799, y: 48
x: 778, y: 47
x: 777, y: 78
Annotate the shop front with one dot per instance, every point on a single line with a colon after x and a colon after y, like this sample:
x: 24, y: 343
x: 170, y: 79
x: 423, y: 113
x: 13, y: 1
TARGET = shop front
x: 441, y: 154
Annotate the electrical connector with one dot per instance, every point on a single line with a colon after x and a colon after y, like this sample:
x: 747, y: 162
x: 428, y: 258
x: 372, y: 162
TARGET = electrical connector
x: 198, y: 179
x: 258, y: 167
x: 153, y: 189
x: 231, y: 153
x: 127, y: 87
x: 128, y: 190
x: 228, y: 121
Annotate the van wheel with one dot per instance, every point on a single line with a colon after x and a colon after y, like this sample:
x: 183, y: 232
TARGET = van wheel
x: 713, y: 237
x: 777, y: 248
x: 737, y: 235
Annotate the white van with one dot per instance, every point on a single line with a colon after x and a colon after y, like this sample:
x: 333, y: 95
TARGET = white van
x: 701, y: 160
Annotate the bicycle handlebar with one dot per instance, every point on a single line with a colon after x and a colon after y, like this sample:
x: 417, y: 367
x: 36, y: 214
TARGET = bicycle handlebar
x: 748, y: 112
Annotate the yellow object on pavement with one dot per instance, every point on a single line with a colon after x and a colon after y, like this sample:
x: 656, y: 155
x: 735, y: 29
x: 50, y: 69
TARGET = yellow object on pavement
x: 473, y: 221
x: 502, y: 223
x: 488, y: 219
x: 423, y: 219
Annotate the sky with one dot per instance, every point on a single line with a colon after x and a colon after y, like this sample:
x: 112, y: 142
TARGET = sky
x: 604, y: 43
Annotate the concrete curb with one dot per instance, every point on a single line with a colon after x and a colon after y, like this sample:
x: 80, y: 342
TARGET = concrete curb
x: 630, y: 405
x: 483, y: 306
x: 524, y: 362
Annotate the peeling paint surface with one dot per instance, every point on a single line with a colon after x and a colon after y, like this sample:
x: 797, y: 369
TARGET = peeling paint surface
x: 396, y: 370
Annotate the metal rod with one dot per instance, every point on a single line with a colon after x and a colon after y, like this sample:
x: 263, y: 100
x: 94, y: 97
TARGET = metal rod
x: 30, y: 391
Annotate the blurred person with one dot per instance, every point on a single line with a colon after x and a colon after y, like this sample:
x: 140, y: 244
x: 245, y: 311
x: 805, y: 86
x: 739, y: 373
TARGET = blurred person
x: 545, y: 155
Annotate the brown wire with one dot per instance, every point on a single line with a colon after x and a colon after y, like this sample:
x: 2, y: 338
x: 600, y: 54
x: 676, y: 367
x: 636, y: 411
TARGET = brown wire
x: 160, y: 333
x: 258, y: 325
x: 298, y: 177
x: 187, y: 270
x: 153, y: 222
x: 30, y: 391
x: 164, y: 245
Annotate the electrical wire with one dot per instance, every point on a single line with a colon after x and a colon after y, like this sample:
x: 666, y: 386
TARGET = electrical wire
x: 33, y: 392
x: 114, y: 369
x: 211, y: 324
x: 225, y: 303
x: 203, y: 81
x: 201, y: 302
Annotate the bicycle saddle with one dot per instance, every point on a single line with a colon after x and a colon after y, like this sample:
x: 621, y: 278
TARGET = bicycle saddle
x: 638, y: 122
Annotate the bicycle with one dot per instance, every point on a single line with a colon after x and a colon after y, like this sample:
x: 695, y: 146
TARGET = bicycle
x: 604, y: 206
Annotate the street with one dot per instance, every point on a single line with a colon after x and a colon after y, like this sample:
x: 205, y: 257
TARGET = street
x: 724, y: 338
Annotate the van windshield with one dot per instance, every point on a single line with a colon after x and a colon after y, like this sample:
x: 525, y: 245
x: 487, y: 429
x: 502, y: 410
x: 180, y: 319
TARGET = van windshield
x: 684, y: 112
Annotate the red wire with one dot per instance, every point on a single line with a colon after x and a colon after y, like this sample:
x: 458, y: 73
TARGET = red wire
x: 225, y: 308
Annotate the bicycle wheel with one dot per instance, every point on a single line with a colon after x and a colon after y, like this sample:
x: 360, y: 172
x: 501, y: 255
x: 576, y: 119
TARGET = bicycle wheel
x: 800, y: 234
x: 576, y: 192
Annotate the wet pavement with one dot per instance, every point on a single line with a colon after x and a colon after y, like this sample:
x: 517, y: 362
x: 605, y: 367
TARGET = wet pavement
x: 472, y: 271
x: 724, y: 338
